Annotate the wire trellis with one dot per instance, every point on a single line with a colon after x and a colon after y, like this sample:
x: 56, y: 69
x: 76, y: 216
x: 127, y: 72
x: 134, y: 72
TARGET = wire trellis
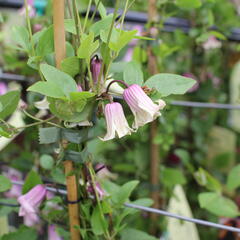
x: 146, y: 209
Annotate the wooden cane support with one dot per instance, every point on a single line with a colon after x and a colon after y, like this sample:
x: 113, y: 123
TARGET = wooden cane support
x: 72, y: 198
x: 154, y: 148
x: 60, y: 52
x: 59, y: 32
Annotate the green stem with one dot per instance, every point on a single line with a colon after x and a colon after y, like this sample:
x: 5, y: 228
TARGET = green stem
x: 108, y: 40
x: 92, y: 174
x: 29, y: 27
x: 40, y: 120
x: 38, y: 123
x: 77, y: 20
x: 86, y: 17
x: 90, y: 76
x: 123, y: 15
x: 95, y: 11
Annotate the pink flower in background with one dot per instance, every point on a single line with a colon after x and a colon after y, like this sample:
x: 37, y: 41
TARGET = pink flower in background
x: 52, y: 234
x: 102, y: 172
x: 215, y: 80
x: 142, y: 106
x: 133, y: 43
x: 79, y: 88
x: 3, y: 88
x: 101, y: 193
x: 212, y: 43
x: 116, y: 121
x: 196, y: 85
x: 30, y: 203
x: 96, y: 64
x: 37, y: 27
x: 31, y: 9
x: 16, y: 190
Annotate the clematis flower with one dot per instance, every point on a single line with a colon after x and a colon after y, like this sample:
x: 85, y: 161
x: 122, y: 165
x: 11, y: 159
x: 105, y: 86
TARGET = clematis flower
x: 115, y: 88
x: 142, y: 107
x: 212, y: 43
x: 102, y: 172
x: 3, y: 88
x: 116, y: 121
x: 96, y: 64
x: 101, y: 193
x: 16, y: 190
x: 52, y: 234
x: 29, y: 204
x: 31, y: 9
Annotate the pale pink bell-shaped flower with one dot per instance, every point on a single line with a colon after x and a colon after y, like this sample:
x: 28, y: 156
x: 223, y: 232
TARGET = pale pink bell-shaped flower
x: 15, y: 190
x: 52, y: 234
x: 116, y: 121
x: 30, y: 202
x: 142, y: 106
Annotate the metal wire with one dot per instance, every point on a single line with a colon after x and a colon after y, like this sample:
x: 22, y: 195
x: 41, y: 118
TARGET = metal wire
x: 204, y: 105
x: 153, y: 210
x: 173, y: 215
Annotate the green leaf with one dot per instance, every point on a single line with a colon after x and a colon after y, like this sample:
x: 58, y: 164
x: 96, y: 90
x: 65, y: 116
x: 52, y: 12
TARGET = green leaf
x: 102, y: 10
x: 23, y: 232
x: 75, y: 96
x: 63, y: 80
x: 123, y: 39
x: 87, y: 47
x: 205, y: 179
x: 72, y: 111
x: 46, y: 161
x: 31, y: 181
x: 9, y: 103
x: 218, y: 205
x: 45, y: 44
x: 69, y: 25
x: 101, y: 25
x: 166, y: 83
x: 1, y: 18
x: 130, y: 233
x: 21, y: 37
x: 70, y: 66
x: 172, y: 176
x: 133, y: 74
x: 124, y: 192
x: 5, y: 183
x: 114, y: 35
x: 5, y: 210
x: 97, y: 223
x: 118, y: 67
x: 189, y: 3
x: 48, y: 135
x: 233, y: 179
x: 49, y: 89
x: 7, y: 130
x: 58, y: 175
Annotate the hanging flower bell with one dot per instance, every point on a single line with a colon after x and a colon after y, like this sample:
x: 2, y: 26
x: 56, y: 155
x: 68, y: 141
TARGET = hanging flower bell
x: 116, y: 121
x: 142, y: 106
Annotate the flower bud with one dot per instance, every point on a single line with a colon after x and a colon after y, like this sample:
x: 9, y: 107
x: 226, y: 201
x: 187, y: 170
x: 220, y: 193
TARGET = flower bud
x: 96, y: 64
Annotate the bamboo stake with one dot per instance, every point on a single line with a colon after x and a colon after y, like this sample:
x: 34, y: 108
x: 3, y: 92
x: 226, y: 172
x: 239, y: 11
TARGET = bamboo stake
x: 60, y: 52
x: 59, y: 32
x: 72, y: 197
x: 154, y: 148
